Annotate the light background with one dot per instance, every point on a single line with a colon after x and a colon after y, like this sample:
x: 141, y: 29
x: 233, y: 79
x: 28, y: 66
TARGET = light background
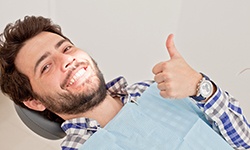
x: 128, y: 38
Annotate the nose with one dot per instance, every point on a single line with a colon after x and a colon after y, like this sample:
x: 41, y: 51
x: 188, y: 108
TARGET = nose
x: 68, y: 62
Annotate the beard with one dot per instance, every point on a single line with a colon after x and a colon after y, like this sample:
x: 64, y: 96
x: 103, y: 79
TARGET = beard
x: 75, y: 103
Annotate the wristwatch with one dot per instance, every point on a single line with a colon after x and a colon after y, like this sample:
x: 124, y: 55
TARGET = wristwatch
x: 204, y: 89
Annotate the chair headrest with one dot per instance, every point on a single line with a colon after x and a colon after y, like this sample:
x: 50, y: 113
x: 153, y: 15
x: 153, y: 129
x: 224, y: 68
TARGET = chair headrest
x: 40, y: 125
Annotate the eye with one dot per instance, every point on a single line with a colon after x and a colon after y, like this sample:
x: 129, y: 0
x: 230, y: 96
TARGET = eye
x: 67, y: 49
x: 45, y: 68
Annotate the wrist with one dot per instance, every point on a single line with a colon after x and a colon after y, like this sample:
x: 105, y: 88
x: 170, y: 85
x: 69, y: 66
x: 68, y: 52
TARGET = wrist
x: 205, y: 89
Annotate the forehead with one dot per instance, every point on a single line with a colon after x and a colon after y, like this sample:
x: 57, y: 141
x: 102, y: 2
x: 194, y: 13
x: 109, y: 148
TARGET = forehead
x: 33, y: 49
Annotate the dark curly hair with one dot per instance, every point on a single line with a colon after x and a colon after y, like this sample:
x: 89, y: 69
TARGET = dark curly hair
x: 13, y: 83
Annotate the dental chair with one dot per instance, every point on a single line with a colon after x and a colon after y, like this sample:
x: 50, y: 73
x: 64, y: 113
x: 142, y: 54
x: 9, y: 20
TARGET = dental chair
x: 40, y: 125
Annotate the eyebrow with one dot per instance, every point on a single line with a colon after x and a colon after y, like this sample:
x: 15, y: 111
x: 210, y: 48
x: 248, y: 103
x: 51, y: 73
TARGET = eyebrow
x: 44, y: 56
x: 60, y: 43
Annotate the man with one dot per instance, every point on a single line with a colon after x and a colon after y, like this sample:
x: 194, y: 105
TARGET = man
x: 42, y: 70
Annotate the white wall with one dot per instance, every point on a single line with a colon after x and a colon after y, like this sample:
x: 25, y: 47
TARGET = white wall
x: 128, y: 38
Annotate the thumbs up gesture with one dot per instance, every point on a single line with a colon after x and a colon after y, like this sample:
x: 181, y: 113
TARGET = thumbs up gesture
x: 175, y: 78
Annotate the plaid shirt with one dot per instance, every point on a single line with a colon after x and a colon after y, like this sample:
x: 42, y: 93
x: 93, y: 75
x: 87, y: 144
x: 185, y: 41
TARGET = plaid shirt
x: 226, y: 117
x: 222, y: 111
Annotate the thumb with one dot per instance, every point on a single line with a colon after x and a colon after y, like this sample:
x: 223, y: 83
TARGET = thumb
x: 171, y: 47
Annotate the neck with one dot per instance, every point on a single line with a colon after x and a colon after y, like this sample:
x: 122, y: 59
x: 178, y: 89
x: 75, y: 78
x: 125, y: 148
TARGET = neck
x: 102, y: 113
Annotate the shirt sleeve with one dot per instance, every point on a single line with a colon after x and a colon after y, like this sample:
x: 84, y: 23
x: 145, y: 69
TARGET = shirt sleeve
x: 226, y: 117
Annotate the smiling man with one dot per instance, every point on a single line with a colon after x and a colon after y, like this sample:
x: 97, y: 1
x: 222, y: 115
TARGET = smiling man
x: 42, y: 70
x: 75, y: 83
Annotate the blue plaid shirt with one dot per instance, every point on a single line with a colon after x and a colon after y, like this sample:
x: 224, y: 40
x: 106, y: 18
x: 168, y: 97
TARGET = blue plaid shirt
x: 222, y: 111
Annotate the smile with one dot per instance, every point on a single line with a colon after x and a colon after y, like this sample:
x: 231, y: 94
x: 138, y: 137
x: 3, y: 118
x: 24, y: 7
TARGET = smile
x: 76, y: 76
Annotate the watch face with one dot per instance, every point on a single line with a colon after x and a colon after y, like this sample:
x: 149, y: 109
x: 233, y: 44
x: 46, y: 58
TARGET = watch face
x: 206, y: 88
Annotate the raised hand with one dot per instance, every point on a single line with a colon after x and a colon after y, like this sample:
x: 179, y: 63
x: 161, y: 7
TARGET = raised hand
x: 175, y: 78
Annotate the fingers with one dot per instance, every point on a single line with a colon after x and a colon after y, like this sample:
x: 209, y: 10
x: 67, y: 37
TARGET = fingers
x: 167, y: 91
x: 172, y: 51
x: 165, y: 85
x: 157, y: 68
x: 160, y: 77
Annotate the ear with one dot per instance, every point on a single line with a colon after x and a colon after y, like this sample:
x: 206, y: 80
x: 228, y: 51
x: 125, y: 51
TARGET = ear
x: 35, y: 105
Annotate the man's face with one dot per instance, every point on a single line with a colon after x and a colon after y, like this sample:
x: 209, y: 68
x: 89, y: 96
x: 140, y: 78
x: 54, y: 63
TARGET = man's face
x: 65, y: 78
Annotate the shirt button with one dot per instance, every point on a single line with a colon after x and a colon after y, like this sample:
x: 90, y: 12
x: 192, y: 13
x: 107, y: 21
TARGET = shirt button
x: 92, y: 124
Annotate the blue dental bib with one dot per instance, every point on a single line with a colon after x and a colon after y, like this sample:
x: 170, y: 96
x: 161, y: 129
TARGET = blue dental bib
x: 155, y: 123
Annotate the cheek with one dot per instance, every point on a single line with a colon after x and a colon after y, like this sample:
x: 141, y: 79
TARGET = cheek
x: 81, y: 55
x: 46, y: 86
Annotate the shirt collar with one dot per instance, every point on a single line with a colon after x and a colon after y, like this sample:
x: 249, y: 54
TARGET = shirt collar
x: 76, y: 125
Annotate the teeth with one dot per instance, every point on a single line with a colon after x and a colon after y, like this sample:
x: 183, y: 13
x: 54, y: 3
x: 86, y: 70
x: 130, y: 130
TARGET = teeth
x: 77, y: 76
